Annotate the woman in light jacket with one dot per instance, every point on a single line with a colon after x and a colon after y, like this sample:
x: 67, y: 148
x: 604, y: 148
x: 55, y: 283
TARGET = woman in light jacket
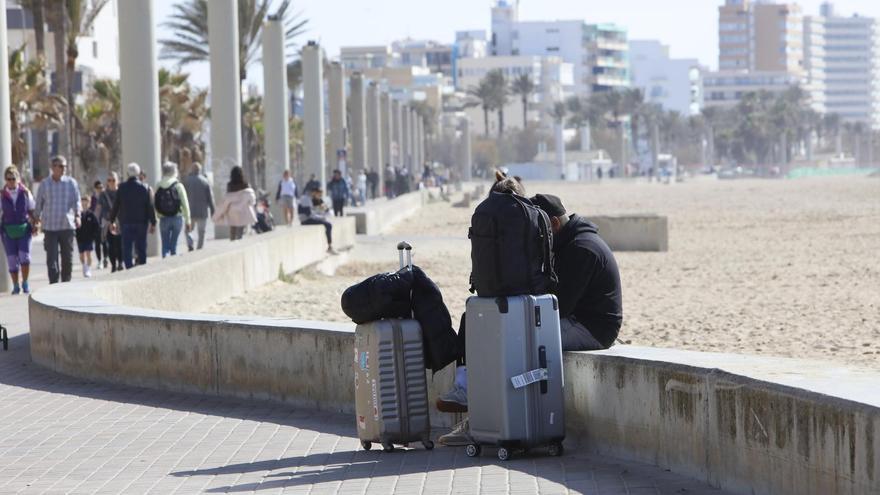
x: 236, y: 210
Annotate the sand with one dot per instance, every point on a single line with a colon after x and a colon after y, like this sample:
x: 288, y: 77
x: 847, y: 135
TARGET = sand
x: 770, y: 267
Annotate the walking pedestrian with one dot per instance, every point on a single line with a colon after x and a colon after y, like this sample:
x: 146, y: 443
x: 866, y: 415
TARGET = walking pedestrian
x: 134, y: 210
x: 98, y: 189
x: 236, y: 210
x: 286, y: 195
x: 201, y: 204
x: 89, y: 229
x: 17, y: 224
x: 58, y: 207
x: 112, y: 242
x: 172, y: 207
x: 362, y: 187
x: 339, y: 192
x: 390, y: 179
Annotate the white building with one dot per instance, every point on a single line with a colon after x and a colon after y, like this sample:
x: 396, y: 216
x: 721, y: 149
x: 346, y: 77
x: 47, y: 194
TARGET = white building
x: 551, y: 76
x: 852, y: 67
x: 597, y: 52
x: 814, y: 61
x: 726, y: 88
x: 674, y: 84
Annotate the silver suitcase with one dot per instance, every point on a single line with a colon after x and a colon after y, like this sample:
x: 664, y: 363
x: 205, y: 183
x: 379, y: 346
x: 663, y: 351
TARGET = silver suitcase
x: 391, y: 391
x: 514, y: 373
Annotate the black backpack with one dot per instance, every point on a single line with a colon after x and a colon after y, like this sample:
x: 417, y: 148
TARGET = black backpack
x: 168, y: 200
x: 511, y: 247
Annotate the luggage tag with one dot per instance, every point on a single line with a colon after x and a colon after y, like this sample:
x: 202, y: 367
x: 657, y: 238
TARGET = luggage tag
x: 529, y: 377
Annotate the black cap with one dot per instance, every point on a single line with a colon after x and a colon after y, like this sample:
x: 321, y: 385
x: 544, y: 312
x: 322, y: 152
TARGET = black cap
x: 551, y: 204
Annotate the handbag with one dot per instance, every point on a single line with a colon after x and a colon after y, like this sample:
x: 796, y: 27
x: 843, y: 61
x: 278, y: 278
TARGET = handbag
x: 16, y: 231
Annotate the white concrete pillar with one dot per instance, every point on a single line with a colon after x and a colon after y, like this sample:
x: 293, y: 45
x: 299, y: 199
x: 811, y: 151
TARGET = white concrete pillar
x: 357, y: 109
x: 275, y: 108
x: 423, y: 142
x: 396, y: 133
x: 585, y: 138
x: 5, y: 132
x: 374, y: 127
x: 414, y: 140
x: 467, y: 150
x: 387, y: 132
x: 560, y: 151
x: 139, y: 89
x: 405, y: 132
x: 313, y: 103
x: 225, y: 96
x: 336, y: 106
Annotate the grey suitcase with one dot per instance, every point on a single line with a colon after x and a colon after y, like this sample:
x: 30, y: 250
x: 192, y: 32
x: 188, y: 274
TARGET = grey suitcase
x: 514, y: 373
x: 391, y: 391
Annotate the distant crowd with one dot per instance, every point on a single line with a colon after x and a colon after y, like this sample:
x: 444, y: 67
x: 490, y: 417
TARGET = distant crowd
x: 110, y: 226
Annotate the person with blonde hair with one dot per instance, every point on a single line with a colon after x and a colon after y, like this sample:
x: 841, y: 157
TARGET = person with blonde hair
x: 172, y: 207
x: 17, y: 225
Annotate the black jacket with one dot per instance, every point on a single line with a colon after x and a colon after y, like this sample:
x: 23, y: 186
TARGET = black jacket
x: 133, y: 204
x: 589, y: 281
x: 89, y: 227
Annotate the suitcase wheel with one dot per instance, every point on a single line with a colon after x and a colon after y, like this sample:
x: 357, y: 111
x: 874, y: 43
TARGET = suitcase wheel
x: 556, y: 449
x: 503, y: 454
x: 473, y: 450
x: 388, y: 447
x: 428, y: 444
x: 366, y: 445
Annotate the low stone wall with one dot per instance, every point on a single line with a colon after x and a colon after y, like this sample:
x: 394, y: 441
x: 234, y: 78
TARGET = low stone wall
x: 746, y: 424
x: 381, y: 214
x: 633, y: 232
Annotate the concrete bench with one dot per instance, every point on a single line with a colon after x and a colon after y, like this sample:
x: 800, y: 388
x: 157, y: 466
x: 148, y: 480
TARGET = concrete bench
x: 633, y: 232
x: 381, y: 214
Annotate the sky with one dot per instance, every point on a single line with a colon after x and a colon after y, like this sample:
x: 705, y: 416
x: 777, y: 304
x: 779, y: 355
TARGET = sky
x: 689, y: 27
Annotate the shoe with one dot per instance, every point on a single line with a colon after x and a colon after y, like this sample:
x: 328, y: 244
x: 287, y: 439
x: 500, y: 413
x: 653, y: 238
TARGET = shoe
x: 16, y: 289
x: 25, y: 287
x: 105, y: 263
x: 455, y: 401
x: 330, y: 250
x: 459, y: 436
x: 87, y: 272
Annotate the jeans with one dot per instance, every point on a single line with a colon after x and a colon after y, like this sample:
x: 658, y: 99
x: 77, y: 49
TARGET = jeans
x: 328, y: 227
x: 169, y: 230
x: 337, y: 206
x: 576, y: 337
x: 134, y: 235
x: 199, y: 224
x: 59, y: 242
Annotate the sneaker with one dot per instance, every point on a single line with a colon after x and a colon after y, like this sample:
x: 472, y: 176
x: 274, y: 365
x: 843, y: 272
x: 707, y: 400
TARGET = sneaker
x: 455, y: 401
x: 16, y: 289
x: 459, y: 436
x: 87, y: 271
x: 25, y: 287
x: 330, y: 250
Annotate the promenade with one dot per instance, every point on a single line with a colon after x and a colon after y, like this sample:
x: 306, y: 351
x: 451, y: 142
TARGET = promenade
x: 65, y: 435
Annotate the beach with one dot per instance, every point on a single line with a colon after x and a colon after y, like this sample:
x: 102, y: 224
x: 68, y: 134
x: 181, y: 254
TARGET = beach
x: 771, y: 267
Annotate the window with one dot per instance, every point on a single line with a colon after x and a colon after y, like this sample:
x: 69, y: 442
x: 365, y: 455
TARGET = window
x: 552, y: 48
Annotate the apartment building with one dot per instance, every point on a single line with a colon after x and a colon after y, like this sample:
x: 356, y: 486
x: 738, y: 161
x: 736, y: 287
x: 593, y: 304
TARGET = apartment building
x: 598, y: 53
x: 852, y: 66
x: 760, y: 36
x: 674, y: 84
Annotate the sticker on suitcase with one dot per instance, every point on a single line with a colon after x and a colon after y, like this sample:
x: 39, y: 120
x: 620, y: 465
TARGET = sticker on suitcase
x: 529, y: 377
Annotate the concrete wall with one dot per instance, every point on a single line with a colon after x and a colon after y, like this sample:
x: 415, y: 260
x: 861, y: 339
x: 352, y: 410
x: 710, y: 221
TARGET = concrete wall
x: 381, y: 214
x: 633, y: 232
x: 745, y: 424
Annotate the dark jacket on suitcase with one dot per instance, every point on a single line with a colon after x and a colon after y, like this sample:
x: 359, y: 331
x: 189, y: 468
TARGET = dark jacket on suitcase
x: 589, y: 281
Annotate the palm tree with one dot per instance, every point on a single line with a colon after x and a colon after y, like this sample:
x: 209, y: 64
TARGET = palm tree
x: 499, y: 90
x: 523, y: 86
x: 189, y: 21
x: 31, y: 104
x: 483, y: 94
x: 58, y: 20
x: 831, y: 125
x: 40, y: 136
x: 182, y: 112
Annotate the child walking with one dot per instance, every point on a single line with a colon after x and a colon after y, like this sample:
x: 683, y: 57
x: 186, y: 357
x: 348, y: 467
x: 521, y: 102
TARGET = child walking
x: 89, y: 230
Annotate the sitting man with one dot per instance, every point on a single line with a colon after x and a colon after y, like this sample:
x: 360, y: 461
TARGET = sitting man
x: 589, y: 293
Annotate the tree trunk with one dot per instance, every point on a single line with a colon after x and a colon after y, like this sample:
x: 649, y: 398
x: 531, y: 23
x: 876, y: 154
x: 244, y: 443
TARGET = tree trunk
x: 59, y: 32
x: 500, y: 122
x: 486, y: 122
x: 41, y: 137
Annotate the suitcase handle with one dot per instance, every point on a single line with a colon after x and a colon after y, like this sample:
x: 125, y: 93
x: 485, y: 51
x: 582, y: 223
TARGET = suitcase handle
x: 542, y: 363
x: 401, y: 247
